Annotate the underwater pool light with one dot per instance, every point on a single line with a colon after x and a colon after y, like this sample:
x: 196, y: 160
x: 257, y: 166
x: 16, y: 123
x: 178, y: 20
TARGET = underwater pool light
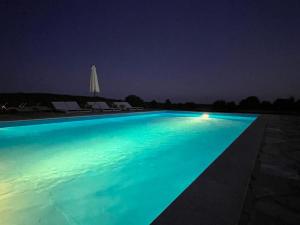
x: 205, y: 116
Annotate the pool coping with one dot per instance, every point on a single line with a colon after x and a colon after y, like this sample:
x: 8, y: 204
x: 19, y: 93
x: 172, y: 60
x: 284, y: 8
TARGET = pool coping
x: 67, y: 118
x: 216, y: 197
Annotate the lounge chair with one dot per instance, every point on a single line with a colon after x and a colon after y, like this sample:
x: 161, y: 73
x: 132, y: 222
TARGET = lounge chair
x: 24, y: 108
x: 7, y: 108
x: 127, y: 106
x: 3, y: 107
x: 102, y: 106
x: 60, y: 106
x: 94, y: 106
x: 68, y: 107
x: 20, y: 108
x: 41, y: 108
x: 74, y: 107
x: 105, y: 106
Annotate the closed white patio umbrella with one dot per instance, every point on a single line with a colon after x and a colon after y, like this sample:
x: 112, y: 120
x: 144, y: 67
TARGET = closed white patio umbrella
x: 94, y: 85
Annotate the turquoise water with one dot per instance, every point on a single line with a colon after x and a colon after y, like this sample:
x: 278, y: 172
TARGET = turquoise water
x: 106, y: 170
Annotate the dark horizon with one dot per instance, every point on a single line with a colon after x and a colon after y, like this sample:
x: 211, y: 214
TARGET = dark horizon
x: 181, y: 50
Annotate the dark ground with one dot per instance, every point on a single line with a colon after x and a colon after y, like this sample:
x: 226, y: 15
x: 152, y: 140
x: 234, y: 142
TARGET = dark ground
x: 273, y: 196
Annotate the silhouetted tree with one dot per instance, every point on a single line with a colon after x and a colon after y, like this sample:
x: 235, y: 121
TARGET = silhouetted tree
x: 168, y: 102
x: 219, y: 105
x: 285, y: 103
x: 297, y: 105
x: 231, y: 106
x: 251, y: 102
x: 153, y: 104
x: 190, y: 105
x: 180, y: 106
x: 266, y: 105
x: 135, y: 100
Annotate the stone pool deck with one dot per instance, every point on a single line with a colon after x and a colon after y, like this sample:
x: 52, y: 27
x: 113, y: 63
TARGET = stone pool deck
x: 273, y: 196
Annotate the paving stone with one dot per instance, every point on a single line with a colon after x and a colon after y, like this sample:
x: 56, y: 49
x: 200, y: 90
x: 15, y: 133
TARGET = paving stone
x: 274, y: 194
x: 269, y: 185
x: 271, y: 149
x: 276, y: 211
x: 273, y: 140
x: 259, y: 218
x: 292, y: 202
x: 295, y: 155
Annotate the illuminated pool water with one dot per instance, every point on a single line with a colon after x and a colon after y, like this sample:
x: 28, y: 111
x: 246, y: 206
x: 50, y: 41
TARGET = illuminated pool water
x: 103, y: 170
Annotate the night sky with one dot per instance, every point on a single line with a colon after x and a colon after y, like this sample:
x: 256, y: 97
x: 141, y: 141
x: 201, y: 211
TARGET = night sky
x: 197, y: 51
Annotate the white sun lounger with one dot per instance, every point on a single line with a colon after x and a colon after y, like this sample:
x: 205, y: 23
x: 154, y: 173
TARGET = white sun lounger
x: 105, y: 106
x: 41, y: 108
x: 94, y: 106
x: 60, y: 106
x: 130, y: 106
x: 24, y: 108
x: 102, y: 106
x: 20, y: 108
x: 68, y: 107
x: 127, y: 106
x: 74, y: 107
x: 3, y: 107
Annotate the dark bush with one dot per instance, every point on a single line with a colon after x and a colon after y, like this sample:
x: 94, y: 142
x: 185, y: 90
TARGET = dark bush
x: 231, y: 106
x: 266, y: 105
x: 153, y: 104
x: 135, y: 100
x: 190, y: 105
x: 219, y: 105
x: 284, y: 103
x: 251, y: 102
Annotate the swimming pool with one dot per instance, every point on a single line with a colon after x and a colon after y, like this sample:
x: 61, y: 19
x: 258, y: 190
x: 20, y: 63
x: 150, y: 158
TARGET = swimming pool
x: 114, y: 169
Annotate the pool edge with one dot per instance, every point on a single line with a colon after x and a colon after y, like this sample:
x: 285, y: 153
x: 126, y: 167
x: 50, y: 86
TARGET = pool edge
x: 69, y: 118
x: 217, y: 195
x: 76, y: 117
